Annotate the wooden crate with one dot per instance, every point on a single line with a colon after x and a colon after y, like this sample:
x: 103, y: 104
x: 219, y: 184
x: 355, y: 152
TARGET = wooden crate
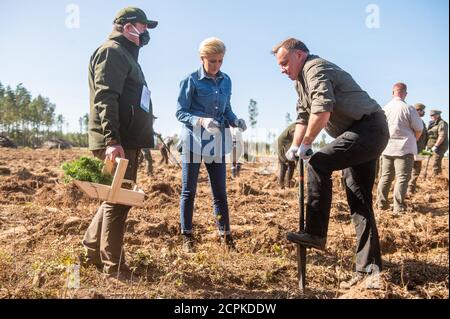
x: 114, y: 194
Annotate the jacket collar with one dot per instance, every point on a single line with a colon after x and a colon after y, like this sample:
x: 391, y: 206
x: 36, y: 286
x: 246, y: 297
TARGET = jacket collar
x: 131, y: 47
x: 308, y: 58
x: 202, y: 74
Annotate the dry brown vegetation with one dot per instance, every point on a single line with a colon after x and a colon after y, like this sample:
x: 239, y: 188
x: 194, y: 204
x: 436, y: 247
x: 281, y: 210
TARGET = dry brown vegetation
x: 42, y: 222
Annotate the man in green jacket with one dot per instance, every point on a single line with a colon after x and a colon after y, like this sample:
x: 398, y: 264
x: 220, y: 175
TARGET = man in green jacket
x: 120, y: 124
x: 421, y: 144
x: 437, y: 139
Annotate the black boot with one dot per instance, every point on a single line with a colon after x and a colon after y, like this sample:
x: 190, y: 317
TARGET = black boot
x: 290, y: 174
x: 282, y: 174
x: 308, y: 240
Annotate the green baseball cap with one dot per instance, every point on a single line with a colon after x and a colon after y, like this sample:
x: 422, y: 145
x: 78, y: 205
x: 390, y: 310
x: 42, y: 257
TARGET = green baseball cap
x: 435, y: 112
x: 419, y: 106
x: 131, y: 15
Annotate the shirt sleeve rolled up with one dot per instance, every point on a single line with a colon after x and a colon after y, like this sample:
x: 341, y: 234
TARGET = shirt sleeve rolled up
x: 321, y: 91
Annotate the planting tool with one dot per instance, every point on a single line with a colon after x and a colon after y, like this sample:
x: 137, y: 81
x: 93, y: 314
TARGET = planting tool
x: 301, y: 250
x: 114, y: 194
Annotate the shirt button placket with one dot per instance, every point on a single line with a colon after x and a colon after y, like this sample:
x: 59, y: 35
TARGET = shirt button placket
x: 217, y: 101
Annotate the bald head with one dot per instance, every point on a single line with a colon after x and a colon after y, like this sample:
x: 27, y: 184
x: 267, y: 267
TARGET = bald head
x: 399, y: 90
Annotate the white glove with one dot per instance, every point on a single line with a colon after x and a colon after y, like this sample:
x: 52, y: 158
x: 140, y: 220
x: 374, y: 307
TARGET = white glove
x: 291, y: 153
x: 240, y: 123
x: 209, y: 125
x: 434, y: 149
x: 305, y: 152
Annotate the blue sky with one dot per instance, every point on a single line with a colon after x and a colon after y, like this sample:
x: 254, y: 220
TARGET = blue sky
x: 410, y: 45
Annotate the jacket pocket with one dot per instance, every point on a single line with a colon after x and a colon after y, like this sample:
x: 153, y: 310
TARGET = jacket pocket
x: 140, y: 122
x: 205, y: 99
x: 132, y: 116
x: 204, y: 92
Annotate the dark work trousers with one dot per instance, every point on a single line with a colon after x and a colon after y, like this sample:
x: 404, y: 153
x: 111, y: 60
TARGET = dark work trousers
x: 356, y: 152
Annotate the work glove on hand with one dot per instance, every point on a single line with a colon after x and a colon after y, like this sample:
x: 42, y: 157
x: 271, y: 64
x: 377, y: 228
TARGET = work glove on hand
x: 241, y: 125
x: 434, y: 149
x: 210, y: 125
x: 305, y: 152
x: 291, y: 153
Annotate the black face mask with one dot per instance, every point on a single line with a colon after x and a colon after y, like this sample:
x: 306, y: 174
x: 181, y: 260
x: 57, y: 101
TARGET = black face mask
x: 144, y: 37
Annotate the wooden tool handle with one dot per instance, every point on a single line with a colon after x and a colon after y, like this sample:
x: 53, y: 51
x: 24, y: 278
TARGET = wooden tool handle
x: 118, y: 178
x: 108, y: 167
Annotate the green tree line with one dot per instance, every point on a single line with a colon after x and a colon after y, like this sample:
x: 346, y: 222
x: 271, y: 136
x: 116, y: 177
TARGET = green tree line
x: 29, y: 121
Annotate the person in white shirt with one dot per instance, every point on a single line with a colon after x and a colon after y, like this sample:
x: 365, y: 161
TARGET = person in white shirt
x: 405, y: 128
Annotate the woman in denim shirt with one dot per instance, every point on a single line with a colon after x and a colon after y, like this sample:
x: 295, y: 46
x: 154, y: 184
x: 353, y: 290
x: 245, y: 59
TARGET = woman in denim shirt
x: 204, y: 109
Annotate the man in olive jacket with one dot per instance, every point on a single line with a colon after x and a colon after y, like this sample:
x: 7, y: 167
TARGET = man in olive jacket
x: 120, y: 124
x: 421, y: 144
x: 329, y: 98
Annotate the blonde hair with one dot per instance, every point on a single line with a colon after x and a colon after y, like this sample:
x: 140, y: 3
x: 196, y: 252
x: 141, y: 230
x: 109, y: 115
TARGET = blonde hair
x: 211, y: 46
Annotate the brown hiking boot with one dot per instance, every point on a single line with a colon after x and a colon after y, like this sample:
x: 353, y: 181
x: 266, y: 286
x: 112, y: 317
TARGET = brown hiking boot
x: 124, y: 275
x: 356, y: 278
x: 86, y: 260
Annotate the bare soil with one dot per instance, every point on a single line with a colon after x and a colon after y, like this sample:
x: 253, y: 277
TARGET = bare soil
x: 42, y: 222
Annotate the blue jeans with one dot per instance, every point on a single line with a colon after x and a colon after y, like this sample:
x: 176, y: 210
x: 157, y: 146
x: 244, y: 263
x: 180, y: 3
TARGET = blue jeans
x: 217, y: 180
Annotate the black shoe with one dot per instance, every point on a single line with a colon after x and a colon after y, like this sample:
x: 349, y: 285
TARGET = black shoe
x: 188, y: 243
x: 307, y: 240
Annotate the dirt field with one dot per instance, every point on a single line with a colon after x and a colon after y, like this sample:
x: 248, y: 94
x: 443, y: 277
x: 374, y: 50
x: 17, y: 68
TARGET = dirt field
x: 42, y: 222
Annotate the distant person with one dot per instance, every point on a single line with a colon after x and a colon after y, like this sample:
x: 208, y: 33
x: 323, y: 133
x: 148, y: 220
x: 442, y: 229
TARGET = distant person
x: 164, y: 149
x: 147, y: 156
x: 203, y: 108
x: 238, y: 143
x: 330, y: 99
x: 438, y: 139
x: 421, y: 144
x: 285, y: 165
x: 120, y: 124
x: 405, y: 128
